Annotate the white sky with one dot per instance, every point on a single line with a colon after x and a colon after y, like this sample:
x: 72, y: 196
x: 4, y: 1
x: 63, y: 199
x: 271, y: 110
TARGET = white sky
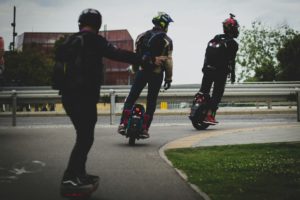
x: 196, y: 21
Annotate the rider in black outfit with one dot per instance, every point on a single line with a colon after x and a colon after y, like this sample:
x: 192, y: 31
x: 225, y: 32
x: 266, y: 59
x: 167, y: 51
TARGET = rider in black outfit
x: 216, y: 69
x: 157, y: 44
x: 80, y: 92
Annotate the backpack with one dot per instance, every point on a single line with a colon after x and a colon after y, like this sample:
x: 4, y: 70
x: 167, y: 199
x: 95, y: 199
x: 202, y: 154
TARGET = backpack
x: 148, y: 44
x: 217, y: 53
x: 67, y: 70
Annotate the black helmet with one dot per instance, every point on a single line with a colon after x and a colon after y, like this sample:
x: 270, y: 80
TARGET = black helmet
x: 231, y: 26
x: 162, y: 20
x: 90, y: 17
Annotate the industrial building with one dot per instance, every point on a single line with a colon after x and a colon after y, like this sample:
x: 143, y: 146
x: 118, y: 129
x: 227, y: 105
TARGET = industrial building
x: 116, y: 72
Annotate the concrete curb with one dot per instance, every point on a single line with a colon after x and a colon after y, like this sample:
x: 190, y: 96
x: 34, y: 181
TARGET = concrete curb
x: 181, y: 173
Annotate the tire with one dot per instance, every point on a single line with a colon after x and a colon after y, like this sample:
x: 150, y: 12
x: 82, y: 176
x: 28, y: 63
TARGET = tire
x: 197, y: 121
x: 133, y: 135
x: 131, y: 141
x: 133, y: 131
x: 199, y: 125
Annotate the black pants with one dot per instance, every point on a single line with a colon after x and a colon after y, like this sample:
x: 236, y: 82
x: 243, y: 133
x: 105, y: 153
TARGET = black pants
x: 154, y: 82
x: 219, y: 81
x: 83, y: 114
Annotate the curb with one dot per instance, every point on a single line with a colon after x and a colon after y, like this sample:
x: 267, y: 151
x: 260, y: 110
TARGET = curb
x: 181, y: 173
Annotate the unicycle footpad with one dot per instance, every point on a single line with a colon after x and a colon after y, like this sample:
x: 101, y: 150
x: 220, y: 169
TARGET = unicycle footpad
x: 78, y: 192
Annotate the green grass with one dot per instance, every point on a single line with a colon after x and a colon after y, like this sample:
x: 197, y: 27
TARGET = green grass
x: 255, y: 171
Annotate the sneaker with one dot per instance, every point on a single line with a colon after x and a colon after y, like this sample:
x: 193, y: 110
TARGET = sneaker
x: 121, y: 129
x: 210, y: 119
x: 80, y: 181
x: 79, y: 186
x: 144, y: 134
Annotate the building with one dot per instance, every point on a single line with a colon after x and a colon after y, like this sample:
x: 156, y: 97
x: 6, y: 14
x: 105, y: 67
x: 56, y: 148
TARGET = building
x: 116, y: 72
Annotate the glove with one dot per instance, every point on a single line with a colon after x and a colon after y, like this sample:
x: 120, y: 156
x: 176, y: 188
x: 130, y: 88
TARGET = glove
x: 232, y: 78
x: 147, y: 60
x: 159, y: 60
x: 167, y: 84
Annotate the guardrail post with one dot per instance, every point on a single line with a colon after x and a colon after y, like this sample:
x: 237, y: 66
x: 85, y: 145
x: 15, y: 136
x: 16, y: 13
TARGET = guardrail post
x: 269, y: 102
x: 14, y: 107
x: 298, y: 104
x: 112, y: 106
x: 257, y: 105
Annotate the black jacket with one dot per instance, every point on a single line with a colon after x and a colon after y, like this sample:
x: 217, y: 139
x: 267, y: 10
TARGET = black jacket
x: 226, y: 61
x: 92, y: 48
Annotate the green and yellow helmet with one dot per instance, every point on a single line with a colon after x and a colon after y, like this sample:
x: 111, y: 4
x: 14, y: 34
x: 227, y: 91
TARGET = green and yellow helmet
x: 162, y: 20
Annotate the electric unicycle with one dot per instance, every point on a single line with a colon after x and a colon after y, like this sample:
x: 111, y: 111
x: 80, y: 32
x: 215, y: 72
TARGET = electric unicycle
x: 199, y: 111
x: 135, y: 123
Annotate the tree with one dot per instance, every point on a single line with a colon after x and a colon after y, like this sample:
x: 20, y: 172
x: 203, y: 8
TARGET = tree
x: 289, y: 60
x: 30, y: 68
x: 258, y: 49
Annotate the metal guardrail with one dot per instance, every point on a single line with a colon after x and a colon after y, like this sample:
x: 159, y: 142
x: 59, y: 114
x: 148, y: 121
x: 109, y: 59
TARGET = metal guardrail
x: 246, y: 92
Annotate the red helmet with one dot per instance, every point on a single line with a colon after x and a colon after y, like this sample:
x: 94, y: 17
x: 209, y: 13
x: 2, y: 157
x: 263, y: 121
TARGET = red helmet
x: 231, y: 26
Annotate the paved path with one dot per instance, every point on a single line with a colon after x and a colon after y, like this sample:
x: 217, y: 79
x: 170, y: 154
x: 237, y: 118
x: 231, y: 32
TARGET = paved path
x: 32, y: 159
x: 263, y: 133
x: 133, y: 173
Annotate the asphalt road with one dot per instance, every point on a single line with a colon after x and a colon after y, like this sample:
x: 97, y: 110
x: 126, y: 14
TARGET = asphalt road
x: 34, y: 155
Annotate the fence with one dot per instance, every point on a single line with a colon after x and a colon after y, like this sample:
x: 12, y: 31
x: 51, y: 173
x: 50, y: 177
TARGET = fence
x: 255, y: 93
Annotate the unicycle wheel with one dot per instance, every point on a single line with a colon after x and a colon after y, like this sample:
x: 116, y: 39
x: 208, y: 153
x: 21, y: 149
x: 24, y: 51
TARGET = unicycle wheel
x: 131, y: 141
x: 199, y: 125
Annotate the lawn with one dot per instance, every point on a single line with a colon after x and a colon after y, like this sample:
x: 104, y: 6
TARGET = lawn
x: 242, y: 172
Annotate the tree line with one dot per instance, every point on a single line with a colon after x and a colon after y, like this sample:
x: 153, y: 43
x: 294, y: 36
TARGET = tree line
x: 269, y: 54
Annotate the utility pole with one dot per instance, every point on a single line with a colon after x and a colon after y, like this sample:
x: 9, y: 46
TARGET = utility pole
x: 13, y: 24
x: 104, y: 66
x: 105, y: 31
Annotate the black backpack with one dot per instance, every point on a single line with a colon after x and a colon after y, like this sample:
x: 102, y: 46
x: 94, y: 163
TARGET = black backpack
x: 217, y: 53
x: 68, y: 69
x: 149, y: 44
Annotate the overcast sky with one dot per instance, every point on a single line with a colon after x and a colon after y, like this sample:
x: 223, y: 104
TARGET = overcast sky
x: 196, y: 21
